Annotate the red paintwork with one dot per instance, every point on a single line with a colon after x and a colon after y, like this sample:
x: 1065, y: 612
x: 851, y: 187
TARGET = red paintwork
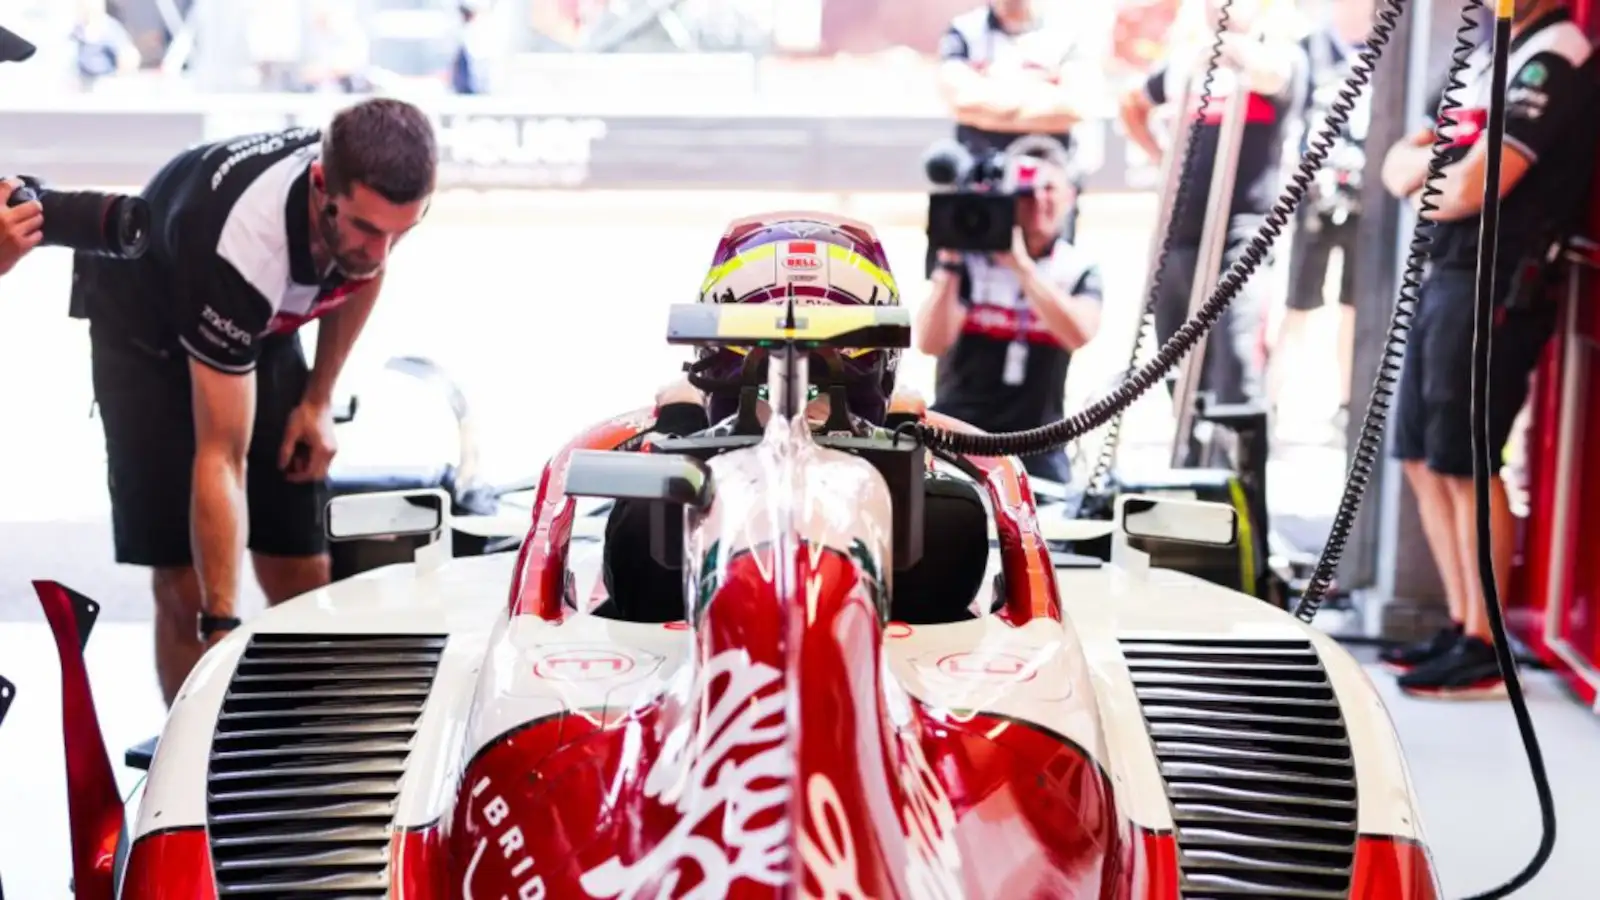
x: 1025, y: 558
x: 1391, y: 868
x: 419, y: 864
x: 1534, y: 577
x: 1033, y: 814
x: 539, y: 580
x: 92, y: 799
x: 165, y: 865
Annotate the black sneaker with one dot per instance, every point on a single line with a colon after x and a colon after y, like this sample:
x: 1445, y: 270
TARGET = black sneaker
x: 1468, y: 671
x: 1406, y: 657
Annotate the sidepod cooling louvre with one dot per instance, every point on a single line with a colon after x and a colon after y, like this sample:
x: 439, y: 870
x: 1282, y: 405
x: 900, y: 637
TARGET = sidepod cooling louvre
x: 1257, y: 765
x: 306, y: 762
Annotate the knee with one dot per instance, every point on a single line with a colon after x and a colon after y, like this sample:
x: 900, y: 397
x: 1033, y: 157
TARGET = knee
x: 1418, y: 473
x: 177, y: 593
x: 285, y: 577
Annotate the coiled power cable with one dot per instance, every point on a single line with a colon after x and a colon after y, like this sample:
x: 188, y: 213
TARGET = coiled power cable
x: 1363, y: 462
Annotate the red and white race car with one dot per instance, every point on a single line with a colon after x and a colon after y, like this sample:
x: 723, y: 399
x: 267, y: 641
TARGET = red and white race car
x: 880, y: 681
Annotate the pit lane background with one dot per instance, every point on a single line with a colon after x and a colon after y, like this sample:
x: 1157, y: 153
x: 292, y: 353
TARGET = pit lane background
x: 539, y: 282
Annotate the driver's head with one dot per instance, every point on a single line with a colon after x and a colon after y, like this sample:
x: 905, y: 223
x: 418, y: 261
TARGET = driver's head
x: 373, y: 182
x: 823, y: 260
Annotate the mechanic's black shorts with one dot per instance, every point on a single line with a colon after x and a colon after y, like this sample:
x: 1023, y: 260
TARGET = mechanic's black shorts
x: 144, y: 399
x: 1309, y: 256
x: 1434, y: 419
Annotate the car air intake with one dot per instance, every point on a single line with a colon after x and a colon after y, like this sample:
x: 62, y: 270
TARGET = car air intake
x: 307, y: 760
x: 1257, y: 766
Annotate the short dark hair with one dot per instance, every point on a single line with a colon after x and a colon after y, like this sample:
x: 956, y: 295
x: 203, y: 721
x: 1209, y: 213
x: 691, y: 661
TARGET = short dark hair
x: 387, y: 145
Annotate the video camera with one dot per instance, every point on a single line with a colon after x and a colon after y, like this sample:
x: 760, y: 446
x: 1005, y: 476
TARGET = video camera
x: 101, y: 224
x: 977, y: 211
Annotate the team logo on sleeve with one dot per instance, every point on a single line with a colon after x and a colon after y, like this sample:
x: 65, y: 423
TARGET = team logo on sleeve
x: 1534, y: 74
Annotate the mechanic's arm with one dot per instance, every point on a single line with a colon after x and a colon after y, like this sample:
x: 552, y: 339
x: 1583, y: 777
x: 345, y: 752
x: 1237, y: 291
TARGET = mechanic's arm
x: 940, y: 317
x: 1543, y: 97
x: 225, y: 317
x: 1405, y: 166
x: 224, y: 411
x: 1267, y: 68
x: 1135, y: 110
x: 969, y: 95
x: 1070, y: 312
x: 336, y: 335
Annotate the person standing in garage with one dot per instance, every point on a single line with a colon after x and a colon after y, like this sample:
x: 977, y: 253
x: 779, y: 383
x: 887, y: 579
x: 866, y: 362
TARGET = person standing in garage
x: 218, y: 434
x: 1548, y: 163
x: 1006, y: 72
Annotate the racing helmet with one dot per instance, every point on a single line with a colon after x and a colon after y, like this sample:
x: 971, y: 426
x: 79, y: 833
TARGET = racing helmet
x: 820, y: 259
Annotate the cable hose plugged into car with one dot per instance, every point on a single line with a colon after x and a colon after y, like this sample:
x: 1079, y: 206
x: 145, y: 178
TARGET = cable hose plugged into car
x: 1483, y: 453
x: 1098, y: 483
x: 1364, y: 459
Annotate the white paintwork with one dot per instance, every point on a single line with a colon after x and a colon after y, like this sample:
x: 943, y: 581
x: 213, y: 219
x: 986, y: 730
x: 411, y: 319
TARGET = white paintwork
x: 463, y: 599
x: 1108, y: 604
x: 498, y: 674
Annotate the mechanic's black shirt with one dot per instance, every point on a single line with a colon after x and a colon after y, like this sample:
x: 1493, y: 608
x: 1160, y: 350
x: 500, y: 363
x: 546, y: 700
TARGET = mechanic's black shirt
x: 971, y: 381
x: 979, y: 39
x: 1255, y: 185
x: 1550, y: 119
x: 229, y: 261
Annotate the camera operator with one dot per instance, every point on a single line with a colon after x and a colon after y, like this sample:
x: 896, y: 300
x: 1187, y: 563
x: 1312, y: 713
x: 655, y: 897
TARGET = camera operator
x: 216, y: 428
x: 1007, y: 73
x: 1005, y: 325
x: 1546, y: 170
x: 1261, y: 52
x: 21, y: 227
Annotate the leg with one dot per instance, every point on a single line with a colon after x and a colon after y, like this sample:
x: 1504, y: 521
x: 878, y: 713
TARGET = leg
x: 1347, y: 309
x: 1308, y: 270
x: 1470, y: 670
x: 287, y: 541
x: 1410, y: 448
x: 144, y: 400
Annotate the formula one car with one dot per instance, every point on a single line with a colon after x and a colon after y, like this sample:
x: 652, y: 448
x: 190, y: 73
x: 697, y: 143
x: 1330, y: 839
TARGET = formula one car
x: 879, y: 681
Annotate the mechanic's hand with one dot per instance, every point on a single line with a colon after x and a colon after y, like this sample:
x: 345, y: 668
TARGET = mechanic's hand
x: 1018, y: 259
x: 308, y: 443
x: 907, y: 400
x: 20, y: 227
x: 679, y: 391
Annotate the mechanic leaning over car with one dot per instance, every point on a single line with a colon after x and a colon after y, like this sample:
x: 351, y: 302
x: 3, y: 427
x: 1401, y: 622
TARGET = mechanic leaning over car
x: 216, y: 428
x: 1260, y: 48
x: 1548, y: 161
x: 21, y: 226
x: 1004, y: 326
x: 1008, y: 72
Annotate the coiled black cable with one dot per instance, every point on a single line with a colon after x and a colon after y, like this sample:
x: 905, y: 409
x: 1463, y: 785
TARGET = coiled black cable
x: 1370, y: 442
x: 1098, y: 484
x: 1058, y: 434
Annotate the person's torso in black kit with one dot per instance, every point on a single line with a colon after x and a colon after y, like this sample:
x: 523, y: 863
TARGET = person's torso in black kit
x: 1261, y: 148
x: 971, y: 382
x: 1551, y: 200
x: 987, y: 44
x: 250, y: 194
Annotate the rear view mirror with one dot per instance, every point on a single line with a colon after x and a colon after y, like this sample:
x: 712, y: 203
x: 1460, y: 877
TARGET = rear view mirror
x: 625, y: 475
x: 1185, y: 521
x: 386, y: 514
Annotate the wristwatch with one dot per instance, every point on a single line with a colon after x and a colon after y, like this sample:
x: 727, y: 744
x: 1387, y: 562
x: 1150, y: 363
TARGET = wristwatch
x: 210, y: 624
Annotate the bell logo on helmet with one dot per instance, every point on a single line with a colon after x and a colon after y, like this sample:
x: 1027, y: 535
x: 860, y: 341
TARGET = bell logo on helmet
x: 803, y: 262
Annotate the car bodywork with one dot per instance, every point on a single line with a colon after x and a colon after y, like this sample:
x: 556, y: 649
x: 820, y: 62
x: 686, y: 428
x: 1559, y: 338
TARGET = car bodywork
x: 479, y: 727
